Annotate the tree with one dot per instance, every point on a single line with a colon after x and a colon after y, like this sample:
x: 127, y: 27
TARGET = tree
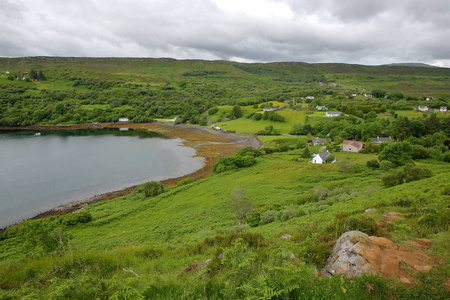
x: 41, y: 76
x: 239, y: 206
x: 417, y: 127
x: 33, y: 74
x: 297, y: 129
x: 378, y: 93
x: 236, y: 112
x: 397, y: 153
x: 401, y: 128
x: 432, y: 124
x: 306, y: 153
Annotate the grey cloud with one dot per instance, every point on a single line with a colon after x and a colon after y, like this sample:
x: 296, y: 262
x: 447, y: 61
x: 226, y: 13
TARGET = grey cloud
x: 348, y: 31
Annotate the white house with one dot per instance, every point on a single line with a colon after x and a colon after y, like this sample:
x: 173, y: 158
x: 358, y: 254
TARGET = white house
x: 333, y: 114
x: 367, y: 95
x: 423, y: 108
x: 321, y: 157
x: 269, y: 108
x: 123, y: 119
x: 319, y: 107
x: 310, y: 97
x: 443, y: 108
x: 351, y: 146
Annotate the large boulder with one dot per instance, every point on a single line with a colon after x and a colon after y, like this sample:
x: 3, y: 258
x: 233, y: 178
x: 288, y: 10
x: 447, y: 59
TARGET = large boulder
x: 355, y: 253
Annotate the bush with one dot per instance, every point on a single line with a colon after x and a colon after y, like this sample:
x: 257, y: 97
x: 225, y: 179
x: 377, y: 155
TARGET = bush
x: 213, y: 110
x: 233, y: 162
x: 288, y: 213
x: 249, y: 151
x: 253, y: 218
x: 419, y: 152
x: 306, y: 198
x: 446, y: 157
x: 268, y: 217
x: 150, y: 189
x: 77, y: 218
x: 386, y: 165
x: 186, y: 181
x: 407, y: 174
x: 321, y: 192
x: 374, y: 164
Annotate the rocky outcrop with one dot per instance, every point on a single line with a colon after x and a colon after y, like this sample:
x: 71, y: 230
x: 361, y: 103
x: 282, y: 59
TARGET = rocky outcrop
x: 355, y: 253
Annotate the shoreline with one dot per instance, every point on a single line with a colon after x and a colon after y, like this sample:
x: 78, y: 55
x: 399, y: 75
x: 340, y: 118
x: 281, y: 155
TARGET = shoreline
x: 207, y: 142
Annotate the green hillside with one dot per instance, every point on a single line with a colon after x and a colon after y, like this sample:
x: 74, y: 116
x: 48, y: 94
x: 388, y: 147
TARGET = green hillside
x: 264, y: 223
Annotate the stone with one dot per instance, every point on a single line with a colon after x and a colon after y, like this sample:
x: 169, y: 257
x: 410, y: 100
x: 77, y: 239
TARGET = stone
x: 286, y: 236
x: 355, y: 254
x: 369, y: 210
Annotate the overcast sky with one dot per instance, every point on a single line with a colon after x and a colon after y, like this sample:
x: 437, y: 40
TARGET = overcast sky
x: 370, y: 32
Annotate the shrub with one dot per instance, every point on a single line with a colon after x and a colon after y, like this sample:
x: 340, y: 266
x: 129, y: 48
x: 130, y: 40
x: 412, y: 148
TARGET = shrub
x: 257, y: 117
x: 249, y: 151
x: 321, y: 192
x: 407, y: 174
x: 386, y: 165
x: 288, y: 213
x: 344, y: 166
x: 213, y: 110
x: 150, y: 189
x: 253, y: 218
x: 374, y: 164
x: 419, y: 152
x: 306, y: 198
x: 77, y: 218
x: 446, y: 157
x: 267, y: 217
x: 233, y: 162
x: 185, y: 181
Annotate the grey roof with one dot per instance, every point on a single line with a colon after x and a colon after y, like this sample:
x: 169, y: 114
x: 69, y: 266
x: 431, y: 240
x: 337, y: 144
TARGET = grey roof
x: 324, y: 155
x: 319, y: 141
x: 381, y: 139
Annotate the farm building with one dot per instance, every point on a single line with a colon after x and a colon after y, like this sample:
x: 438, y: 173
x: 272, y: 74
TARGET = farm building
x: 318, y: 141
x: 321, y: 157
x: 423, y: 108
x: 351, y: 146
x: 333, y: 114
x: 123, y: 119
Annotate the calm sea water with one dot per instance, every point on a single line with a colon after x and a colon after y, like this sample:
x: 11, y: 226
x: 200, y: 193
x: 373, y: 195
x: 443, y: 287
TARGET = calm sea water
x: 41, y: 172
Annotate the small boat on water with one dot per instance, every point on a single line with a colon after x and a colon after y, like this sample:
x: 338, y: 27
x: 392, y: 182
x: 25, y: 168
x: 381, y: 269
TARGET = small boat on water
x: 37, y: 134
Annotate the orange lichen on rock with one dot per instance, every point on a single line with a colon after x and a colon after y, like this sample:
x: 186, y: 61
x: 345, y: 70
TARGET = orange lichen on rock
x: 355, y: 253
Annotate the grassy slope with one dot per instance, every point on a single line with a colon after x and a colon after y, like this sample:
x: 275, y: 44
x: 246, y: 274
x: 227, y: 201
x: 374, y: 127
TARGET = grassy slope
x: 125, y: 231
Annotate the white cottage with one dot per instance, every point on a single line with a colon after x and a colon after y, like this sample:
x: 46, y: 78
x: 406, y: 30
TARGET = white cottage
x: 321, y: 157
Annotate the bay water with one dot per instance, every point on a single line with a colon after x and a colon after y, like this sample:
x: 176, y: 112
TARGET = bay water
x: 39, y: 171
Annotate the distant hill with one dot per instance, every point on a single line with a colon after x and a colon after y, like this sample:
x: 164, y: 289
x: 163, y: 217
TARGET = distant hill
x: 420, y: 65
